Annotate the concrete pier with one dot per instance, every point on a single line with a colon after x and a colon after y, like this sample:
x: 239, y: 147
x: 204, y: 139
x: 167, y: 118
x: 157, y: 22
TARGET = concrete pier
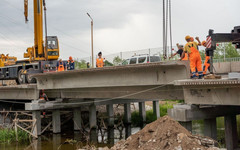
x: 77, y: 120
x: 127, y: 113
x: 92, y: 116
x: 142, y: 111
x: 210, y: 128
x: 56, y: 121
x: 110, y: 114
x: 187, y: 125
x: 37, y: 115
x: 156, y: 110
x: 231, y: 136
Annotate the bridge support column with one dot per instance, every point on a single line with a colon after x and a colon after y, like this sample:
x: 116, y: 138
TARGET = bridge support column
x: 127, y: 113
x: 231, y: 137
x: 142, y: 111
x: 92, y: 116
x: 187, y: 125
x: 77, y: 118
x: 93, y: 123
x: 210, y: 128
x: 156, y: 110
x: 37, y: 115
x: 110, y: 113
x: 56, y: 121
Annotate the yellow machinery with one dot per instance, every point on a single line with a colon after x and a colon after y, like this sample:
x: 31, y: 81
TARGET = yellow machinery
x: 6, y: 60
x: 42, y: 56
x: 48, y: 50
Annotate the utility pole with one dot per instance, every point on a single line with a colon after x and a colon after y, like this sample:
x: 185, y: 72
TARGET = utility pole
x: 91, y: 38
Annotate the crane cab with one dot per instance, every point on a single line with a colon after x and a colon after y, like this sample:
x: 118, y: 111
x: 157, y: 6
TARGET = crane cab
x: 52, y: 48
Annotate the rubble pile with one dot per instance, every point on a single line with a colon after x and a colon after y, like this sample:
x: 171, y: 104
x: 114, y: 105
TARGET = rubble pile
x: 165, y: 134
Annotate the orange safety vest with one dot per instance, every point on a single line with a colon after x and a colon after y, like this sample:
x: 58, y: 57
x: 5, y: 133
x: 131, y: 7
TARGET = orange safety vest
x: 185, y: 57
x: 60, y: 67
x: 99, y: 62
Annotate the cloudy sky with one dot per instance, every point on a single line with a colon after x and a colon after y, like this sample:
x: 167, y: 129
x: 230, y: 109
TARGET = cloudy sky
x: 119, y: 25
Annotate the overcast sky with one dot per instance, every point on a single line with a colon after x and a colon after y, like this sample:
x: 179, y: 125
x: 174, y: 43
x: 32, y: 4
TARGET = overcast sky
x: 119, y: 25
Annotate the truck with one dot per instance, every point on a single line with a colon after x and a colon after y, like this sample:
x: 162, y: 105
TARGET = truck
x: 41, y: 57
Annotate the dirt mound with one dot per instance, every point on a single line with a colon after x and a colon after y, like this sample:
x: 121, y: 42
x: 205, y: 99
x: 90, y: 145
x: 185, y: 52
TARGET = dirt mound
x: 165, y: 134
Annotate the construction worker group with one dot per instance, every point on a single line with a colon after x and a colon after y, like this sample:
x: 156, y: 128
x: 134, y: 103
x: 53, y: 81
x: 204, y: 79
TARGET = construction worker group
x: 191, y: 52
x: 70, y: 65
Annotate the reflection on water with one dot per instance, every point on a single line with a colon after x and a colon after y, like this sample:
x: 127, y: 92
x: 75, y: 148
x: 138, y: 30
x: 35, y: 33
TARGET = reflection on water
x: 107, y: 138
x: 58, y: 141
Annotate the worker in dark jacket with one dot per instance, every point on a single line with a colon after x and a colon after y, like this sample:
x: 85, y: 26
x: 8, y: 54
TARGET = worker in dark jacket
x: 180, y: 52
x: 61, y: 66
x: 70, y: 64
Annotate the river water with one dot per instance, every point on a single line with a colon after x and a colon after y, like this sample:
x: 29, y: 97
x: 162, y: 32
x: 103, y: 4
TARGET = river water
x: 72, y: 140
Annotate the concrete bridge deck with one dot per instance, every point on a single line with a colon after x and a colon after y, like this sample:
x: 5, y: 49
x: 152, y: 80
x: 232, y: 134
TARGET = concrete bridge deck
x: 211, y: 92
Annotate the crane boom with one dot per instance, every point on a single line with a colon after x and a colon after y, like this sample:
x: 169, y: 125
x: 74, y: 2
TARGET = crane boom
x: 39, y: 51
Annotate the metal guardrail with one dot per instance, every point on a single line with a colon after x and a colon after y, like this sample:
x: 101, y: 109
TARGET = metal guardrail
x: 224, y: 60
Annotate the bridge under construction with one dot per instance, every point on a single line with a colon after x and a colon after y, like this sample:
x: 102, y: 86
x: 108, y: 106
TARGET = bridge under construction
x: 71, y: 90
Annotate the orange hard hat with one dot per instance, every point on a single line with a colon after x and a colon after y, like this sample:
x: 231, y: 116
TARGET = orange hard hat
x: 203, y: 42
x: 187, y: 37
x: 70, y: 58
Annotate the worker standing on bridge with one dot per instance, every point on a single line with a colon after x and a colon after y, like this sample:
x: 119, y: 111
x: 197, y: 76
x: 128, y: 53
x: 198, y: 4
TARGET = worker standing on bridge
x: 61, y: 65
x: 180, y: 52
x: 99, y: 61
x: 207, y: 60
x: 191, y: 48
x: 70, y: 64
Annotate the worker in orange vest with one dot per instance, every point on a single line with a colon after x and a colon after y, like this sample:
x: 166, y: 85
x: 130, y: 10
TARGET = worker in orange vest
x: 191, y: 48
x: 61, y: 65
x: 206, y: 66
x: 99, y: 61
x: 70, y: 64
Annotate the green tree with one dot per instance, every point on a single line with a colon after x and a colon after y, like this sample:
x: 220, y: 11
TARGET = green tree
x: 80, y: 64
x: 117, y: 60
x: 107, y: 63
x: 230, y: 51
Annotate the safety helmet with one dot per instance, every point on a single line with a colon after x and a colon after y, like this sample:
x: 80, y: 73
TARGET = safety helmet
x: 70, y: 57
x: 187, y: 37
x: 203, y: 43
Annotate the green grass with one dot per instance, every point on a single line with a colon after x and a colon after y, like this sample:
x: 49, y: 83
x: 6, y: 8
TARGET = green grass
x: 8, y: 136
x: 150, y: 117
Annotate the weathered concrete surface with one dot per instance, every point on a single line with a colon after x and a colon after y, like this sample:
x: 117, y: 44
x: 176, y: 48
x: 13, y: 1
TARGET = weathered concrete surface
x: 211, y: 92
x: 51, y: 105
x: 186, y: 113
x: 19, y: 92
x: 131, y: 75
x: 226, y: 67
x: 121, y: 92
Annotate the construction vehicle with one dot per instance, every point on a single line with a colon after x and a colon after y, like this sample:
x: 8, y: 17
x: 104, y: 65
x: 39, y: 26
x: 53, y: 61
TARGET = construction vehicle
x: 42, y: 57
x: 214, y: 38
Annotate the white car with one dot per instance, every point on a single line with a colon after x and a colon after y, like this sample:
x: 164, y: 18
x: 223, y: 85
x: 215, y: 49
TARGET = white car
x: 139, y: 59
